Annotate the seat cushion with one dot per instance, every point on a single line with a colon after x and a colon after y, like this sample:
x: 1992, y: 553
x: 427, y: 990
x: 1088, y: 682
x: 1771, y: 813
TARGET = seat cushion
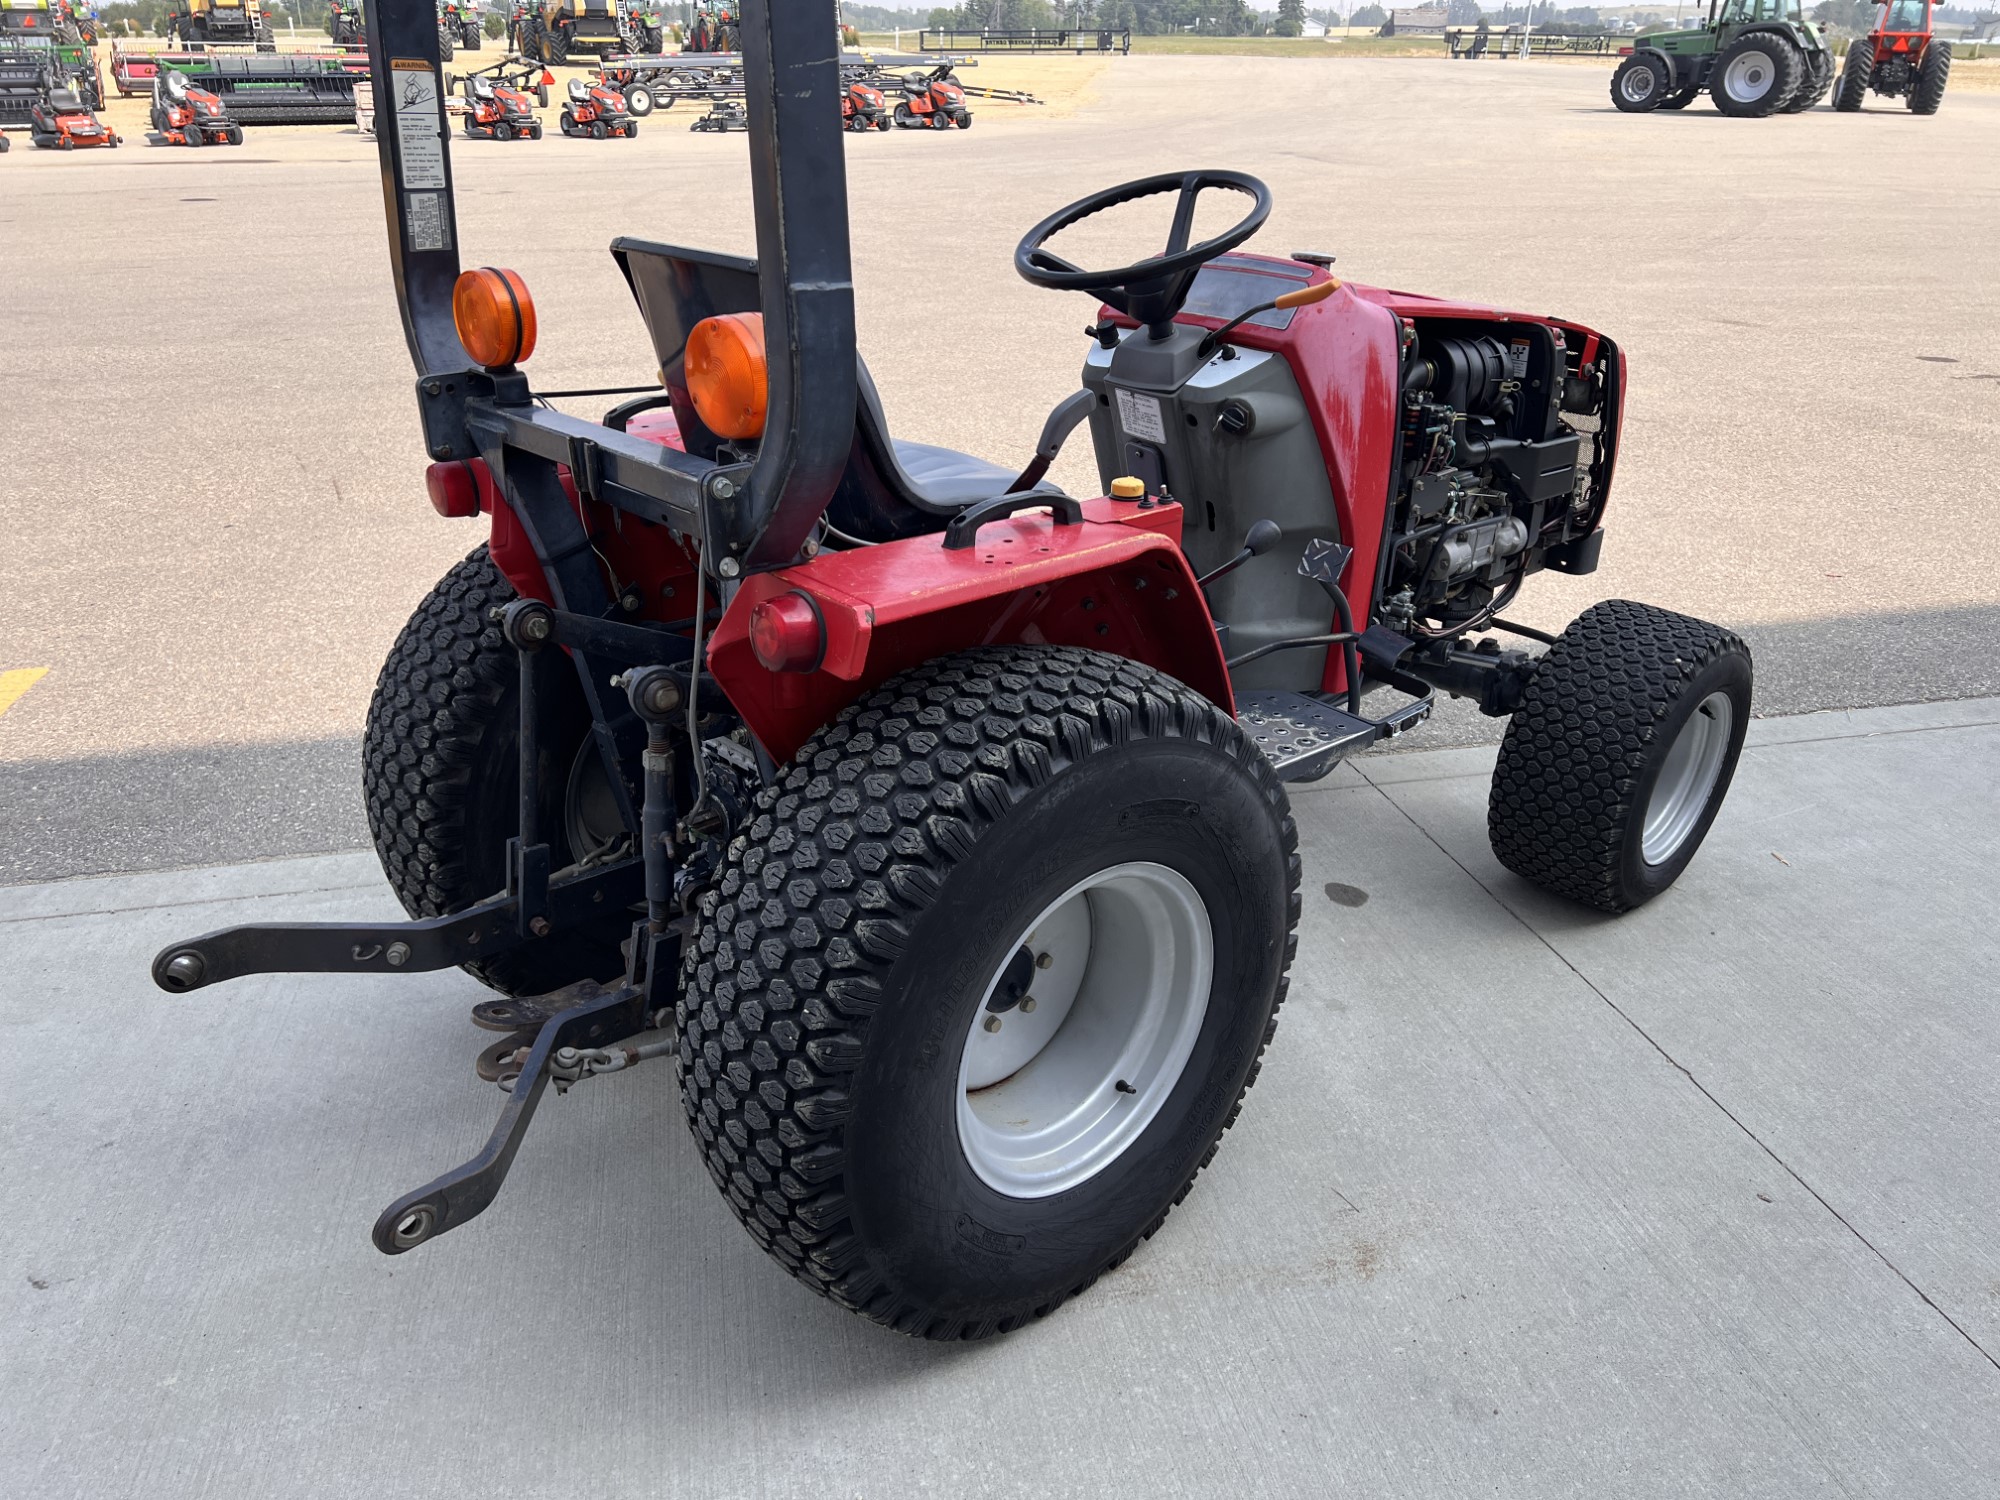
x: 943, y: 476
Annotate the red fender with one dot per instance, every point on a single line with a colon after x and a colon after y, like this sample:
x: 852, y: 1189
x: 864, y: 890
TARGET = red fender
x: 1117, y: 583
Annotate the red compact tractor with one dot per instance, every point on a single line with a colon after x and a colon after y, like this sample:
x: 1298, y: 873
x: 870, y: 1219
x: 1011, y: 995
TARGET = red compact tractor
x: 932, y: 100
x: 60, y: 120
x: 862, y: 106
x: 1899, y: 59
x: 933, y: 820
x: 597, y: 110
x: 500, y: 101
x: 185, y: 115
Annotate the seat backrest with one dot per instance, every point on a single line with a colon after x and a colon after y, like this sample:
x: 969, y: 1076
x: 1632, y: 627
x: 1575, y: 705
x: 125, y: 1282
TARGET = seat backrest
x: 676, y: 288
x: 578, y: 90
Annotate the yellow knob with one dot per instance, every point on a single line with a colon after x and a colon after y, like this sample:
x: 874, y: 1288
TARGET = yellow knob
x: 1126, y: 487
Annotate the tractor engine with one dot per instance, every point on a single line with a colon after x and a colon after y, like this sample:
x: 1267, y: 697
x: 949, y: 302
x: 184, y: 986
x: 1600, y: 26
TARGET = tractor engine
x: 1502, y: 445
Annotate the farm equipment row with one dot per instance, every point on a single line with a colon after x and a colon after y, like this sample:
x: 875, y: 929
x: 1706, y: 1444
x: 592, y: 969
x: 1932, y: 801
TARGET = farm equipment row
x: 1756, y: 58
x: 930, y: 97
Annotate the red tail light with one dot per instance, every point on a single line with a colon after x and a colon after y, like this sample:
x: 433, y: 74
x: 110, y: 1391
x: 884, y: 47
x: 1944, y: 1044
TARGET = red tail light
x: 787, y: 634
x: 453, y: 489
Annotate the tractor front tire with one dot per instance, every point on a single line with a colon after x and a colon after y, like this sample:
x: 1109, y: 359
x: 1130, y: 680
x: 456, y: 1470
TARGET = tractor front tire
x: 447, y: 43
x: 1617, y: 760
x: 1928, y: 92
x: 1855, y: 76
x: 555, y: 46
x: 440, y: 773
x: 864, y: 1064
x: 1756, y: 75
x: 1639, y: 86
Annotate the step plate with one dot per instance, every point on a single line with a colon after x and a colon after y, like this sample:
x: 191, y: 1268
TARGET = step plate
x: 1301, y: 737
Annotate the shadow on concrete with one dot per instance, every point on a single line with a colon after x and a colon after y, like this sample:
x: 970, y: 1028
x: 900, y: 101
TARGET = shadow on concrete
x: 228, y: 803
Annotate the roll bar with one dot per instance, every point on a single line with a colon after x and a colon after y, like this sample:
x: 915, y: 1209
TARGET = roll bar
x: 760, y: 513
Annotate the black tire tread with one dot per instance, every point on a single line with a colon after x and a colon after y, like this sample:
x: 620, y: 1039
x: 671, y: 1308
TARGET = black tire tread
x: 1927, y: 93
x: 1790, y: 63
x: 447, y: 686
x: 1852, y: 91
x: 849, y: 846
x: 1558, y: 807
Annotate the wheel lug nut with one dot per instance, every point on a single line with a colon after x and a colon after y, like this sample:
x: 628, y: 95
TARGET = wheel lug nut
x: 1027, y: 1006
x: 992, y: 1023
x: 1043, y: 960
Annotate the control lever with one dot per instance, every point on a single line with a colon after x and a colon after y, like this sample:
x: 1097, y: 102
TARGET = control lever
x: 1259, y: 539
x: 1305, y: 296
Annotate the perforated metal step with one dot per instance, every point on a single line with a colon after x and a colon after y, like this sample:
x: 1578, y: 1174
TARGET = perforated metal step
x: 1303, y: 737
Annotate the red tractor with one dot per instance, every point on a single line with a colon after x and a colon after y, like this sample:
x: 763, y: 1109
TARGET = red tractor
x: 930, y: 819
x: 1900, y: 58
x: 932, y: 100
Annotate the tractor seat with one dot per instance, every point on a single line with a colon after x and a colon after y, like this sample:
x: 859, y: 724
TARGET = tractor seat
x: 579, y: 90
x: 65, y: 102
x: 937, y: 479
x: 482, y: 88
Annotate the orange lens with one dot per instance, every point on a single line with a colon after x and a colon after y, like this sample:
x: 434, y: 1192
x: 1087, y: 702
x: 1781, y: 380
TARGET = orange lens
x: 495, y: 317
x: 726, y: 376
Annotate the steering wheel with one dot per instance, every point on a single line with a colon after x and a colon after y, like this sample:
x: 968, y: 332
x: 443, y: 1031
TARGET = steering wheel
x: 1150, y: 291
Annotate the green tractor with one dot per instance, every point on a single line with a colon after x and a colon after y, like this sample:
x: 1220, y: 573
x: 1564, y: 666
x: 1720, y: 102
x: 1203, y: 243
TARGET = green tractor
x: 1754, y: 57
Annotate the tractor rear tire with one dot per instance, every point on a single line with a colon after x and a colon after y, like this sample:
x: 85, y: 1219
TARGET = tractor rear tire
x: 1856, y: 74
x: 440, y: 773
x: 555, y: 46
x: 1614, y: 765
x: 1639, y: 86
x: 1928, y: 91
x: 1756, y: 75
x: 1816, y: 79
x: 859, y: 1051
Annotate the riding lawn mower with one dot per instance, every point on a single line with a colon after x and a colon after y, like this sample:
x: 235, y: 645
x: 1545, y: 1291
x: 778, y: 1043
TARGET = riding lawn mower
x: 501, y: 99
x: 931, y: 820
x: 184, y: 114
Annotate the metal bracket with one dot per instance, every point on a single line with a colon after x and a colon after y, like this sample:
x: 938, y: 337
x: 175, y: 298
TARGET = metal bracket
x: 491, y: 927
x: 467, y: 1191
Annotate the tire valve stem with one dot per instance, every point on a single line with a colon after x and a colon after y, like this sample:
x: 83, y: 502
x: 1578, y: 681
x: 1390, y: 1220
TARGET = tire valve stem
x: 1126, y: 1088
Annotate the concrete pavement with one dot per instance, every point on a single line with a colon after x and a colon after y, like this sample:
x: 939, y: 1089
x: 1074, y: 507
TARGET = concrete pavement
x: 1528, y: 1202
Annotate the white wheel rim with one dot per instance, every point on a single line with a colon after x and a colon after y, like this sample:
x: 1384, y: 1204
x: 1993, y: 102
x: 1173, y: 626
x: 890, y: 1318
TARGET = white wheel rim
x: 1687, y: 778
x: 1118, y: 972
x: 1750, y: 77
x: 1639, y: 85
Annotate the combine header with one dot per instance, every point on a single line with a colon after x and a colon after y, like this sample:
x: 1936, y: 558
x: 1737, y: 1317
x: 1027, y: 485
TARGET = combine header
x: 257, y: 88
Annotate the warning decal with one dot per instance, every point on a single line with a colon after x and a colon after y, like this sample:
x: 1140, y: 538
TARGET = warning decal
x: 1139, y: 415
x: 428, y: 226
x: 419, y: 123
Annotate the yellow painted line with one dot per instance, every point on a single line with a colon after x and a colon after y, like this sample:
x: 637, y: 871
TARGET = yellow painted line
x: 17, y: 681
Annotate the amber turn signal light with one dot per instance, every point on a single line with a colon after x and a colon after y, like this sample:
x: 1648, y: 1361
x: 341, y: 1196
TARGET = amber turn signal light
x: 787, y: 634
x: 495, y: 317
x: 726, y: 374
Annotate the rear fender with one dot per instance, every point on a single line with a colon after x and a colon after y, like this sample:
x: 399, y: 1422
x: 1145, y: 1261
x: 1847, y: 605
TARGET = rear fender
x: 1116, y: 583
